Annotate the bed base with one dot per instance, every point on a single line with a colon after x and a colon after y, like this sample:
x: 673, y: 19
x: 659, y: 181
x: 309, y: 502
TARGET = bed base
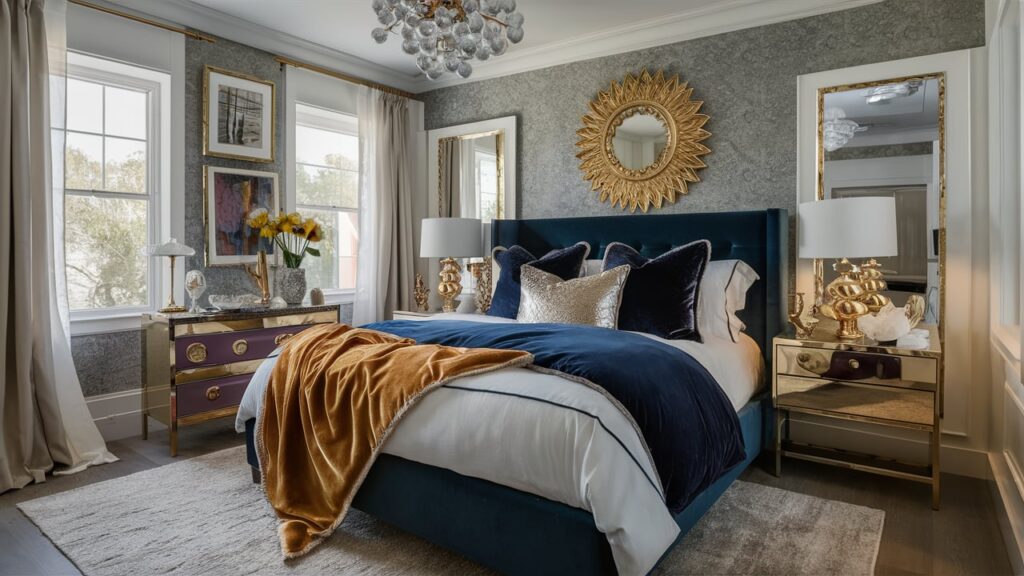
x: 505, y: 529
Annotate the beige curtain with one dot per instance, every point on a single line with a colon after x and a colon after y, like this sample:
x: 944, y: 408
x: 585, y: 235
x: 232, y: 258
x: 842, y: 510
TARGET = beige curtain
x: 384, y: 274
x: 449, y: 178
x: 44, y: 422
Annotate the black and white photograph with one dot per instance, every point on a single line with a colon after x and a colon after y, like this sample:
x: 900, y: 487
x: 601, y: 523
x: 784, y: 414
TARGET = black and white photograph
x: 239, y: 116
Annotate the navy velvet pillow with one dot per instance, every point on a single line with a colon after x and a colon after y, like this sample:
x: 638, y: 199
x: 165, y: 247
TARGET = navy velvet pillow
x: 564, y: 263
x: 661, y: 294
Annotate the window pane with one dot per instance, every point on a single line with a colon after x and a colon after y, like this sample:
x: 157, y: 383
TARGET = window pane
x: 316, y: 146
x: 104, y: 267
x: 83, y: 162
x: 326, y: 187
x: 336, y: 266
x: 126, y: 165
x: 85, y: 106
x: 125, y: 113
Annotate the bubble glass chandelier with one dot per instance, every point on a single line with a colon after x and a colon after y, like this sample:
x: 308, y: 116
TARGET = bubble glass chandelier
x: 445, y: 35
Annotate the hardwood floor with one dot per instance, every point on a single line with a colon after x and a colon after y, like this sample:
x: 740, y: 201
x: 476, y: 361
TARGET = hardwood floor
x: 962, y: 538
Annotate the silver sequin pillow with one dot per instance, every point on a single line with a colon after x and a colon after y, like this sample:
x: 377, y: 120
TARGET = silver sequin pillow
x: 592, y: 300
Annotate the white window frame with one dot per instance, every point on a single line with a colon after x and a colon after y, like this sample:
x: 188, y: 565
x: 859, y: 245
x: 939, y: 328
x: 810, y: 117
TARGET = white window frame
x: 1006, y: 143
x: 157, y: 84
x: 348, y: 128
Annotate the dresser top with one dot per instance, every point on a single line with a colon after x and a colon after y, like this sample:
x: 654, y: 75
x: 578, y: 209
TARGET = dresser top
x: 243, y: 314
x: 824, y: 337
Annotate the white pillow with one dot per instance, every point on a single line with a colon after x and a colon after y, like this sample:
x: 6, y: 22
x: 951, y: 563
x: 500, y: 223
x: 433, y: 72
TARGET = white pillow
x: 723, y: 291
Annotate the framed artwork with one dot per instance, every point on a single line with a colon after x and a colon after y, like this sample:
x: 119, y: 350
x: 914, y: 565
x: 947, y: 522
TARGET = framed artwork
x: 238, y: 116
x: 229, y: 195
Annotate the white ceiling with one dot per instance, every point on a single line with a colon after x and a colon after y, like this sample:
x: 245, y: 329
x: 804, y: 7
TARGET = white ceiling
x: 345, y: 25
x: 336, y: 33
x: 913, y: 118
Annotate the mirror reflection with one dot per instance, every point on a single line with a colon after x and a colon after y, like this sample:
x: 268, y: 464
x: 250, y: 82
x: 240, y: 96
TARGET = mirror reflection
x: 883, y: 140
x: 639, y: 140
x: 470, y: 183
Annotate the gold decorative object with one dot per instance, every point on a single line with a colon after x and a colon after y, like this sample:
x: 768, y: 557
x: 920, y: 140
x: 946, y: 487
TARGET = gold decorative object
x: 280, y: 338
x: 804, y: 325
x: 240, y: 347
x: 450, y: 286
x: 845, y: 306
x: 171, y: 249
x: 871, y: 279
x: 213, y: 393
x: 261, y: 277
x: 481, y: 272
x: 915, y: 309
x: 667, y: 101
x: 421, y: 294
x: 196, y: 352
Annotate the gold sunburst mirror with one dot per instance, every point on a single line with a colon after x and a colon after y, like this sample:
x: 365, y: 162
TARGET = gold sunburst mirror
x: 641, y: 142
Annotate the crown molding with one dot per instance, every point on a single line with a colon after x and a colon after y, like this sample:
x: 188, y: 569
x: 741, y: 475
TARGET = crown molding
x: 217, y: 23
x: 721, y: 17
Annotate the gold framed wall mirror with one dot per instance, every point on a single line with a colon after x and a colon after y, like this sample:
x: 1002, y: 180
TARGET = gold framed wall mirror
x: 472, y: 170
x: 886, y: 138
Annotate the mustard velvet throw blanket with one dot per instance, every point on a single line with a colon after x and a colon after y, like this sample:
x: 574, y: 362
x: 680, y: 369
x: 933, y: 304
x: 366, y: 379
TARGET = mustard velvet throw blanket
x: 333, y: 399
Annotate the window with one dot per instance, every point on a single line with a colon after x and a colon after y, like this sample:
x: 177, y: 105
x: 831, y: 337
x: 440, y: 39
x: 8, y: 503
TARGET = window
x: 111, y: 183
x: 486, y: 184
x: 327, y: 188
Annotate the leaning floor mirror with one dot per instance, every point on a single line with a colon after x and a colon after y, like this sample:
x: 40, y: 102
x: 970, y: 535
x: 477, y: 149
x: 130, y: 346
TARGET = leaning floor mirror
x: 903, y: 130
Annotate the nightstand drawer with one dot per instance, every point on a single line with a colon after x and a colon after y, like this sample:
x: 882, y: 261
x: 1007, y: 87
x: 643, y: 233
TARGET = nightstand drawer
x: 214, y: 349
x: 848, y: 365
x: 878, y: 403
x: 208, y: 395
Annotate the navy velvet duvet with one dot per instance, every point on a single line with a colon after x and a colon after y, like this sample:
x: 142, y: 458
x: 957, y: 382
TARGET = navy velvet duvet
x: 684, y: 416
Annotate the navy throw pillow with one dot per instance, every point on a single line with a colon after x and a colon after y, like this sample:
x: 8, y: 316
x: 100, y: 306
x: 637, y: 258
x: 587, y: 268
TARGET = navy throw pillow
x: 661, y: 294
x: 564, y: 263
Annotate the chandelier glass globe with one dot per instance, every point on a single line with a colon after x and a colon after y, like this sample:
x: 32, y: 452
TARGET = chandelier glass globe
x: 445, y: 35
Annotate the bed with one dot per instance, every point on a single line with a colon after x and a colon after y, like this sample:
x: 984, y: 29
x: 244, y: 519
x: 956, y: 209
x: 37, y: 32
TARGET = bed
x: 516, y: 532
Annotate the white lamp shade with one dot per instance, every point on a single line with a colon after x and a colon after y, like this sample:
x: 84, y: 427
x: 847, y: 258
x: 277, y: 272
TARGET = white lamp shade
x: 862, y: 227
x: 451, y: 238
x: 170, y: 248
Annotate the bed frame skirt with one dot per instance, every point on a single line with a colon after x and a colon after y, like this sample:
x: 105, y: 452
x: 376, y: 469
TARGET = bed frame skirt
x: 505, y: 529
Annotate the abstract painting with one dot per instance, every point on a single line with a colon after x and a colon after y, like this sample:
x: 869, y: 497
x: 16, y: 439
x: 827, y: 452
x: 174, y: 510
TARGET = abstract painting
x: 230, y: 195
x: 238, y: 113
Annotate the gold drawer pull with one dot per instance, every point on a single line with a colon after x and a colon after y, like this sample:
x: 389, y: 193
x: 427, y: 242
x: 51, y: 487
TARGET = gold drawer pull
x: 281, y: 338
x: 854, y: 363
x: 239, y: 347
x: 212, y: 393
x: 196, y: 352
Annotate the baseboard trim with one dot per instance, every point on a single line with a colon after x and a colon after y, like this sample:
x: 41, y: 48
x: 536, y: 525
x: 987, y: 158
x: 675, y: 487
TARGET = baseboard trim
x: 118, y: 415
x: 1008, y: 494
x: 910, y: 446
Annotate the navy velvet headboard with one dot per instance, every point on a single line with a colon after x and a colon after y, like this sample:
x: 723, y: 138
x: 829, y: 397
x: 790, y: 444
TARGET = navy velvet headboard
x: 760, y: 239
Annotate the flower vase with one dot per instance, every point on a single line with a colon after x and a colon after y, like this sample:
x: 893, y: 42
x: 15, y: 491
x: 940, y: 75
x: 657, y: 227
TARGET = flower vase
x: 291, y: 284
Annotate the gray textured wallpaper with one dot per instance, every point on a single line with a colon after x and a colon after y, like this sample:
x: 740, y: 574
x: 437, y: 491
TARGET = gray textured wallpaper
x: 747, y: 80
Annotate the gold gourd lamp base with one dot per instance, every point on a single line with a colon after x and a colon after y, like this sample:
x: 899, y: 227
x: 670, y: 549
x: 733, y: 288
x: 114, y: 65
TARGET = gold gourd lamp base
x: 845, y: 305
x: 873, y: 281
x: 449, y: 287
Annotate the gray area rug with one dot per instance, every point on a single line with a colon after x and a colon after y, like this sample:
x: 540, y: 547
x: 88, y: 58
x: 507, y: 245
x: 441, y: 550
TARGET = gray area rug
x: 206, y: 516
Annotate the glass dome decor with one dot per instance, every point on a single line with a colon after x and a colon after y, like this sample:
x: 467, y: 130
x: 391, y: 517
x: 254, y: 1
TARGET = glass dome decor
x: 445, y: 35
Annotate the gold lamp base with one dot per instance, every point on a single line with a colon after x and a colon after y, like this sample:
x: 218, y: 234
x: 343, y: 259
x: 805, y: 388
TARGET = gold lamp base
x: 845, y: 307
x: 450, y: 286
x: 172, y: 307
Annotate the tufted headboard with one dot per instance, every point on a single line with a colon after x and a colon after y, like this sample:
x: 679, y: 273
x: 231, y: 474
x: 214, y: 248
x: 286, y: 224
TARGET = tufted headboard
x: 760, y: 239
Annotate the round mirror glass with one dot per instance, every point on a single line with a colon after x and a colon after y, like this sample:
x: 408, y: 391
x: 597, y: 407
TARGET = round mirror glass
x: 639, y: 140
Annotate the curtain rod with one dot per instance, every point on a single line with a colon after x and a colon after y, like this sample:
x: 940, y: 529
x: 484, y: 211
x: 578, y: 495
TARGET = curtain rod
x: 345, y: 77
x: 186, y: 32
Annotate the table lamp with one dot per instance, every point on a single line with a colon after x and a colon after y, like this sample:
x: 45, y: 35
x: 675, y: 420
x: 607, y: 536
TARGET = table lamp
x: 448, y: 239
x: 171, y: 249
x: 844, y: 228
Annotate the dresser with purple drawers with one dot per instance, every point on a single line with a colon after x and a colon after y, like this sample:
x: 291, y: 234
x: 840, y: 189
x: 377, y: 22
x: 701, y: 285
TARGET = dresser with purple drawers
x: 198, y: 365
